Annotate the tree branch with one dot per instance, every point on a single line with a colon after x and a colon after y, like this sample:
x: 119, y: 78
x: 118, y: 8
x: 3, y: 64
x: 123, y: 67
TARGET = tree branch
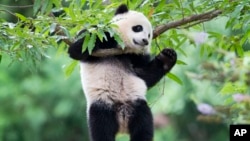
x: 188, y: 20
x: 191, y: 20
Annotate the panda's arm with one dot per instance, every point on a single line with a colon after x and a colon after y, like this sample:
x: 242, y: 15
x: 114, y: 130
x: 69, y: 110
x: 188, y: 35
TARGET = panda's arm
x: 75, y: 49
x: 152, y: 71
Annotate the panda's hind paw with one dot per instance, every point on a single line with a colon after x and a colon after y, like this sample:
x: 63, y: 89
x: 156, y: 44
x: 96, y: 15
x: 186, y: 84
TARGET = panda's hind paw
x: 168, y: 57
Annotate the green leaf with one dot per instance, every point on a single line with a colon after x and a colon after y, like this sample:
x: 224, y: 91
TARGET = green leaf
x: 45, y: 6
x: 16, y: 45
x: 82, y: 35
x: 227, y: 89
x: 237, y: 11
x: 71, y: 11
x: 181, y: 62
x: 119, y: 41
x: 111, y: 30
x: 231, y: 88
x: 1, y: 58
x: 65, y: 31
x: 101, y: 35
x: 91, y: 43
x: 90, y: 3
x: 57, y: 3
x: 240, y: 51
x: 36, y: 7
x: 202, y: 51
x: 182, y: 52
x: 237, y: 26
x: 180, y: 42
x: 70, y: 68
x: 175, y: 78
x: 20, y: 16
x: 243, y: 40
x: 52, y: 27
x: 85, y: 43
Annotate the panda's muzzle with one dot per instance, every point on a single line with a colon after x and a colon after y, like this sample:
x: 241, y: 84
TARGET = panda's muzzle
x: 143, y: 42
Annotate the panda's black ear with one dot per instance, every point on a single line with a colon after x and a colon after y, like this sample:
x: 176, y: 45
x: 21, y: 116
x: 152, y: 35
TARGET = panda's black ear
x: 121, y: 9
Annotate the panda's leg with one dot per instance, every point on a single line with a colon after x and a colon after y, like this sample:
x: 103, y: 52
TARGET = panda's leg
x: 141, y: 122
x: 103, y: 124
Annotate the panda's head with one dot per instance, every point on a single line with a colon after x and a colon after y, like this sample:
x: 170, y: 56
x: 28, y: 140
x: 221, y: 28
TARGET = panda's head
x: 134, y: 28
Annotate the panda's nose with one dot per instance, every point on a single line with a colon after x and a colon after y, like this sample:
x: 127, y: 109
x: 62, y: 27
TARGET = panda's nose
x: 145, y: 41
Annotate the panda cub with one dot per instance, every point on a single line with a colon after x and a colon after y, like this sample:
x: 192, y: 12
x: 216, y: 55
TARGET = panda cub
x: 115, y: 86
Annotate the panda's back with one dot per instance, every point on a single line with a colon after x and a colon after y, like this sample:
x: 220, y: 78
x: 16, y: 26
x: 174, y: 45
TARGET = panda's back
x: 111, y: 80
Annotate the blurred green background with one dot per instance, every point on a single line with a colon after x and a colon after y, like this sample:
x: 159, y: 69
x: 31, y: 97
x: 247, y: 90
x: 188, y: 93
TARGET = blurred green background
x: 43, y: 104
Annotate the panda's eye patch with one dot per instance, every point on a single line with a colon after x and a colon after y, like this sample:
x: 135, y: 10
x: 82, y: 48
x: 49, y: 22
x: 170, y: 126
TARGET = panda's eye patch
x: 137, y: 28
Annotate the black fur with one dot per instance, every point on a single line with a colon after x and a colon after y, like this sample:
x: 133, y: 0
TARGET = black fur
x: 75, y: 49
x: 121, y: 9
x: 104, y: 126
x: 152, y: 71
x: 141, y: 122
x: 102, y: 122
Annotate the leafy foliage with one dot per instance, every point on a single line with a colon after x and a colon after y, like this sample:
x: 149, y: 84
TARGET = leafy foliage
x: 85, y: 14
x: 213, y: 67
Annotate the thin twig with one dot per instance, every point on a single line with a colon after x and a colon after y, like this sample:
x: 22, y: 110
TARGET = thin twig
x: 7, y: 11
x: 59, y: 31
x: 17, y: 6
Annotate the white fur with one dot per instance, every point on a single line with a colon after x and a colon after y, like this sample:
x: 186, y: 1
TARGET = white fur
x: 109, y: 78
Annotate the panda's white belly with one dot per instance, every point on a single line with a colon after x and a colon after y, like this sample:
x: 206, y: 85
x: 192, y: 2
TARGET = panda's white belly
x: 111, y: 82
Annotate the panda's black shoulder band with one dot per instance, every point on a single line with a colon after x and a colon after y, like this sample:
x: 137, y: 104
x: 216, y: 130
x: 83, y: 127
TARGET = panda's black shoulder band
x: 121, y: 9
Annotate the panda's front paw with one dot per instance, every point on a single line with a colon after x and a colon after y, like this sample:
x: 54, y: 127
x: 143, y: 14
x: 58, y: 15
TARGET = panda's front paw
x: 168, y: 57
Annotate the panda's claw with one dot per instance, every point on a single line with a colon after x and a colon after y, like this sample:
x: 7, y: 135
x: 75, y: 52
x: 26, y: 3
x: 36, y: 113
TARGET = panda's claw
x: 168, y: 57
x: 170, y: 54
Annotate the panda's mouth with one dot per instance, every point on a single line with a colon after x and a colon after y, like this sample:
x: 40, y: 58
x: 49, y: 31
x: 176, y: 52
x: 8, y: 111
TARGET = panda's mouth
x: 141, y: 43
